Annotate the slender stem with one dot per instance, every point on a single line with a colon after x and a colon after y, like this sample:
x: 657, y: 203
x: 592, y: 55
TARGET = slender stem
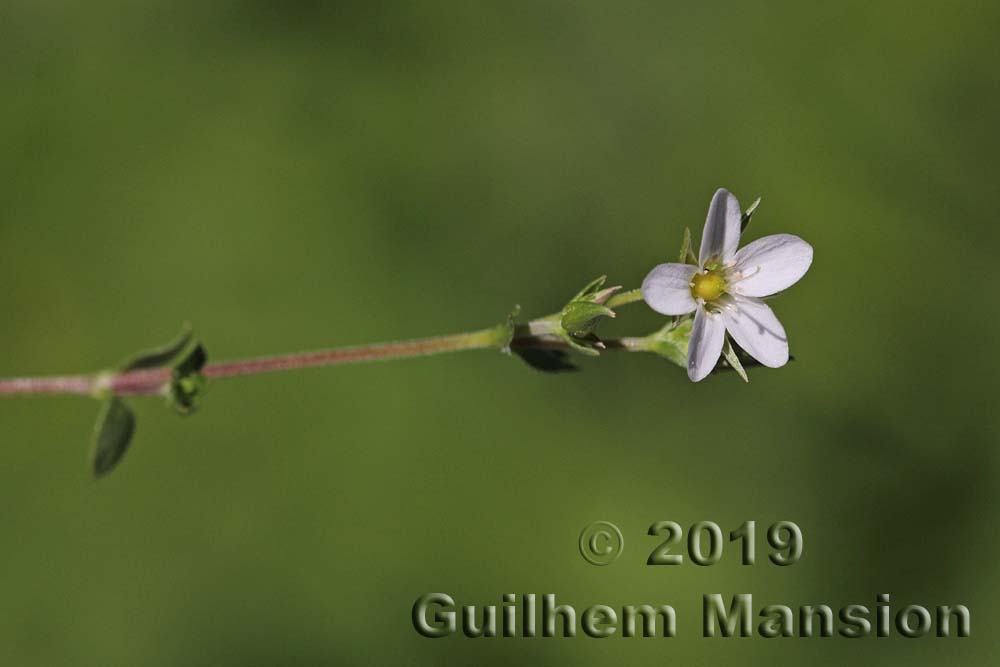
x: 535, y: 334
x: 624, y: 298
x: 477, y: 340
x: 69, y: 384
x: 155, y: 380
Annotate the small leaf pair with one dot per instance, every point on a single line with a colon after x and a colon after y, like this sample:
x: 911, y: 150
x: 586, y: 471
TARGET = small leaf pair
x: 116, y: 422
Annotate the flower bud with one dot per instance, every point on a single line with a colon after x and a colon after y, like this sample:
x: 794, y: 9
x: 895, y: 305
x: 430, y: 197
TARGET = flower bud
x: 580, y: 318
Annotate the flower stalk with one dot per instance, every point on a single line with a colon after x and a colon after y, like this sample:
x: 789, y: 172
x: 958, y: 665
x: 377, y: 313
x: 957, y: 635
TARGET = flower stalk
x: 156, y: 381
x: 710, y: 298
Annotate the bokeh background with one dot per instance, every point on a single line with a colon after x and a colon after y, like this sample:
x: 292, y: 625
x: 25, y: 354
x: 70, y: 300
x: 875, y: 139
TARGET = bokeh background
x: 299, y: 174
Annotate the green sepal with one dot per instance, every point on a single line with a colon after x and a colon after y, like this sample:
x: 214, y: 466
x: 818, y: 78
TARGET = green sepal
x: 160, y: 356
x: 671, y: 342
x: 593, y: 293
x: 733, y: 360
x: 112, y: 434
x: 591, y: 345
x: 576, y: 322
x: 580, y: 318
x: 745, y: 219
x: 590, y: 288
x: 687, y: 254
x: 187, y: 384
x: 742, y: 358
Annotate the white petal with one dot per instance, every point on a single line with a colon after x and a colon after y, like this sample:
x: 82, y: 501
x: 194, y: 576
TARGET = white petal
x: 707, y: 337
x: 721, y: 235
x: 667, y: 289
x: 771, y: 264
x: 753, y: 325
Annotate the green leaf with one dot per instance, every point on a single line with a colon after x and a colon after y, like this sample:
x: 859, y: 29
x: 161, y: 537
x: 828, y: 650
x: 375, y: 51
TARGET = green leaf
x: 745, y: 220
x: 112, y: 435
x: 160, y: 356
x: 734, y: 361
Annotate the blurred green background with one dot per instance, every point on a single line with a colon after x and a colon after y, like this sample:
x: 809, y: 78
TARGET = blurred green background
x: 292, y: 175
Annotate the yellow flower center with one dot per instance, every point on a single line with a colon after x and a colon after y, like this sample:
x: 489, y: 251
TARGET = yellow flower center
x: 708, y: 285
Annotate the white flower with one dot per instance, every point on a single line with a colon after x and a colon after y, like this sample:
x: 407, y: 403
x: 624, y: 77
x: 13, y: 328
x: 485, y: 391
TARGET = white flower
x: 725, y: 290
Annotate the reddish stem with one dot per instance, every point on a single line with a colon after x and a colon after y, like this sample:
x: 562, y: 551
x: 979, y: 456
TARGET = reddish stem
x: 155, y: 380
x: 70, y: 384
